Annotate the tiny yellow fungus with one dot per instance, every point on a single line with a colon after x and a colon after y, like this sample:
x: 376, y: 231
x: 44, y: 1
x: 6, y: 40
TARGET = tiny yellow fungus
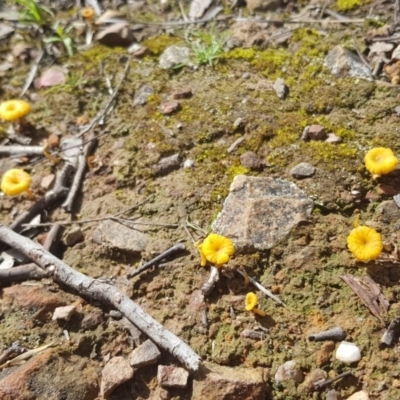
x: 216, y: 249
x: 13, y: 110
x: 16, y: 181
x: 251, y: 303
x: 88, y: 14
x: 365, y: 243
x: 380, y: 161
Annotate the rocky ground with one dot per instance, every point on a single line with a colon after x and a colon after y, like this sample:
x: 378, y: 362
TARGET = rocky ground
x: 255, y: 130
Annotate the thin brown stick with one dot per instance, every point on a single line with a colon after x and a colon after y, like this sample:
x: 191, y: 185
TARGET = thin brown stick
x: 78, y: 177
x: 21, y: 273
x: 171, y: 251
x: 44, y: 203
x: 103, y: 292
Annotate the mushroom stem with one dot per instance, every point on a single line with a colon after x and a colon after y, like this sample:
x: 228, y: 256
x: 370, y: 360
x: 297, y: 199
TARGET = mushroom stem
x: 258, y: 312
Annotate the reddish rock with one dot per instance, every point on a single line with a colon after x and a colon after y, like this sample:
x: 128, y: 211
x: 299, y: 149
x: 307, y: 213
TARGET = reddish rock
x: 183, y: 93
x: 169, y: 376
x: 29, y: 297
x: 316, y: 132
x: 53, y: 141
x: 169, y: 107
x: 325, y: 352
x: 115, y: 373
x: 227, y: 383
x: 386, y: 190
x: 251, y: 160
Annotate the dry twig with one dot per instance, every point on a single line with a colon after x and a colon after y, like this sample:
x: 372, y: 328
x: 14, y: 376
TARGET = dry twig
x: 103, y: 292
x: 21, y: 151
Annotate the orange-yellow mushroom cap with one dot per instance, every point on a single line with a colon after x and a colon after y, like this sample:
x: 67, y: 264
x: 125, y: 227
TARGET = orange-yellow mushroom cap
x: 380, y: 161
x: 15, y: 181
x: 13, y: 110
x: 365, y: 243
x: 87, y: 13
x: 216, y: 249
x: 251, y: 304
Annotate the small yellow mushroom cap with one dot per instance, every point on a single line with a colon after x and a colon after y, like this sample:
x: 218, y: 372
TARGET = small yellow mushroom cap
x: 216, y: 249
x: 15, y: 181
x: 251, y: 301
x: 87, y: 13
x: 365, y: 243
x: 380, y: 161
x: 13, y: 110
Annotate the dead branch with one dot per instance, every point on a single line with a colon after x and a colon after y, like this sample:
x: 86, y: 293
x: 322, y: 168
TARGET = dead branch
x: 32, y: 73
x: 209, y: 285
x: 79, y: 175
x: 391, y: 333
x: 171, y: 251
x: 21, y: 273
x: 44, y: 203
x: 103, y: 292
x: 15, y: 348
x: 21, y: 151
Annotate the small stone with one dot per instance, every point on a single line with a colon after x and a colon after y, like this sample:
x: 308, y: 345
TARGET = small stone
x: 303, y: 170
x: 114, y: 314
x: 324, y: 354
x: 183, y: 93
x: 142, y: 95
x: 331, y: 395
x: 169, y: 376
x: 396, y: 53
x: 169, y: 107
x: 332, y: 138
x: 92, y: 320
x: 118, y: 34
x: 348, y: 353
x: 361, y: 395
x: 173, y: 56
x: 289, y: 371
x: 280, y: 88
x: 188, y: 163
x: 168, y: 164
x: 115, y: 235
x: 64, y: 313
x: 47, y: 181
x: 53, y: 141
x: 115, y: 373
x: 75, y: 235
x: 250, y: 160
x: 387, y: 190
x: 146, y: 354
x: 316, y: 132
x: 52, y: 76
x: 342, y: 62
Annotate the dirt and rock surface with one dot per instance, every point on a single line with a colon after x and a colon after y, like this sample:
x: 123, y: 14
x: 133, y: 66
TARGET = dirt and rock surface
x: 170, y: 148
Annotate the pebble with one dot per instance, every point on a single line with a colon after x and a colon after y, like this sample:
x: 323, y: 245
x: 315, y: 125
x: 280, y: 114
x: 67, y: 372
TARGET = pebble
x: 63, y: 313
x: 280, y: 88
x: 303, y: 170
x: 361, y: 395
x: 173, y: 56
x: 115, y: 373
x: 168, y: 164
x: 332, y: 138
x: 169, y: 107
x: 142, y: 95
x: 289, y: 371
x: 250, y: 160
x: 118, y: 34
x: 169, y: 376
x: 348, y: 353
x: 146, y: 354
x: 316, y: 132
x: 183, y: 93
x: 75, y: 235
x: 188, y: 163
x: 47, y: 181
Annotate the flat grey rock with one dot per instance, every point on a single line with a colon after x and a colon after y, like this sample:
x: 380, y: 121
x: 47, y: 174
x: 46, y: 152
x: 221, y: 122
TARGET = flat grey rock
x: 173, y: 56
x: 342, y: 62
x: 116, y: 235
x: 146, y: 354
x: 303, y: 170
x: 259, y: 212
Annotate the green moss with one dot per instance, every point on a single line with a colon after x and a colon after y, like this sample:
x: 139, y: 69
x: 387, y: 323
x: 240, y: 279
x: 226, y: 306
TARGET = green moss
x: 240, y: 54
x: 236, y: 170
x: 330, y: 153
x: 159, y: 43
x: 346, y: 5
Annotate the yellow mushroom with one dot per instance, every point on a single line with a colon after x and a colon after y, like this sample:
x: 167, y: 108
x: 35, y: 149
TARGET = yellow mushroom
x: 215, y: 249
x: 365, y: 243
x: 16, y: 181
x: 14, y: 110
x: 251, y: 304
x: 380, y: 161
x: 88, y: 14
